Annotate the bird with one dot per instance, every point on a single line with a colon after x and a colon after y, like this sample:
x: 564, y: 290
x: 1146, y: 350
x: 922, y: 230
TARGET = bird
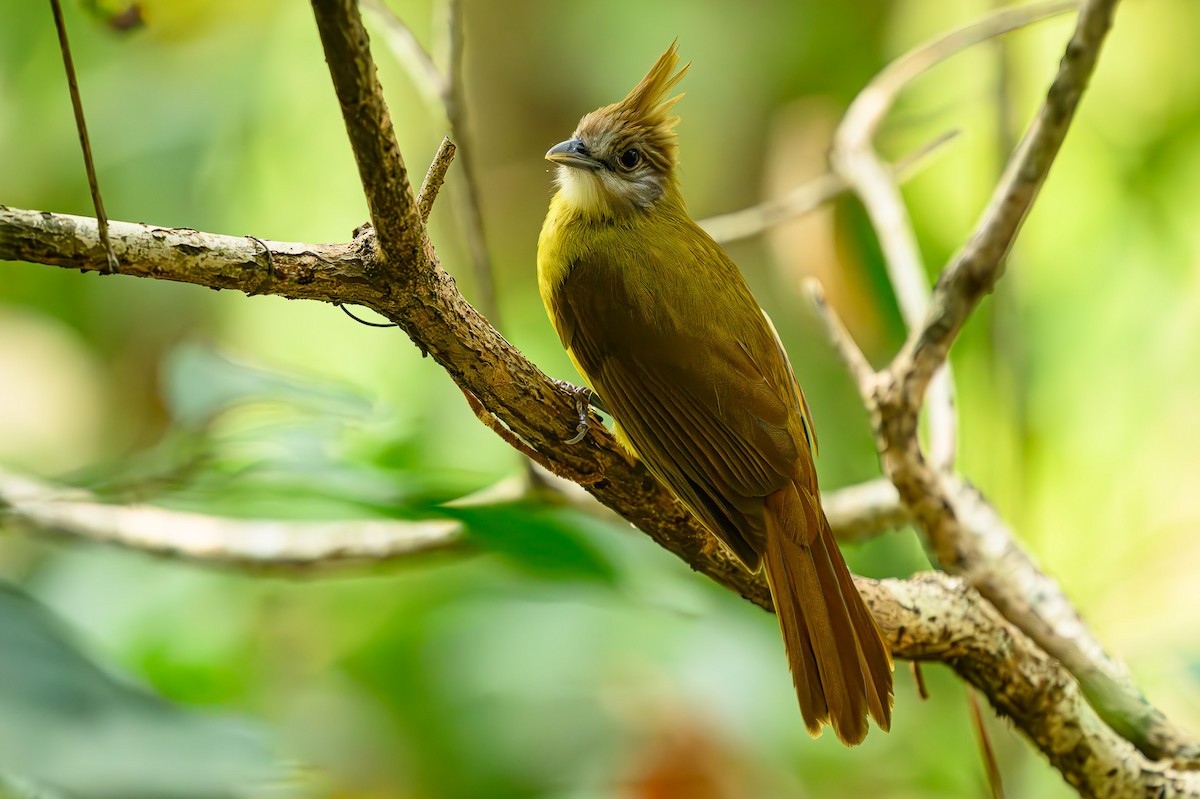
x: 661, y: 325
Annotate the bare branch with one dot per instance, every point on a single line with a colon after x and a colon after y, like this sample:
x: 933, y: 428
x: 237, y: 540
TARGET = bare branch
x: 434, y: 178
x: 404, y: 44
x: 855, y: 159
x: 975, y: 269
x: 843, y: 342
x: 447, y: 95
x: 369, y: 127
x: 934, y: 617
x: 738, y: 225
x: 290, y: 547
x: 756, y: 219
x: 863, y: 511
x: 985, y: 552
x: 328, y: 272
x: 1009, y: 577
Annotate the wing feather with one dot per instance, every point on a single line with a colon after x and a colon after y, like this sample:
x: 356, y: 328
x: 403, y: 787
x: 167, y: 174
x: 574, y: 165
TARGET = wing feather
x: 708, y: 420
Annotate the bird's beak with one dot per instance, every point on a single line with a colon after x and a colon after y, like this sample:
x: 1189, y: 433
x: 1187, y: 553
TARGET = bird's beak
x: 572, y: 153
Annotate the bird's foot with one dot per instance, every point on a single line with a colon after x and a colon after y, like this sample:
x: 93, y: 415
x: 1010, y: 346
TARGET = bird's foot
x: 585, y: 400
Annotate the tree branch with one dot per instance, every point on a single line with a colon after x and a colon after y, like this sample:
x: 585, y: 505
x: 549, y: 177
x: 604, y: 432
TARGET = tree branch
x: 747, y: 222
x: 935, y: 617
x: 445, y: 91
x: 416, y: 293
x: 434, y: 178
x: 296, y: 548
x: 369, y: 127
x: 966, y: 534
x: 327, y: 272
x: 863, y: 511
x: 977, y: 267
x: 855, y: 159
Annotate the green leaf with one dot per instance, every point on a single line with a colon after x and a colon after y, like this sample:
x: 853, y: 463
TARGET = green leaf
x: 77, y: 730
x: 546, y: 542
x: 200, y: 383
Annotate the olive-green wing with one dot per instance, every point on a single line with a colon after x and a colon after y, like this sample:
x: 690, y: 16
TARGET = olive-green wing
x: 700, y: 401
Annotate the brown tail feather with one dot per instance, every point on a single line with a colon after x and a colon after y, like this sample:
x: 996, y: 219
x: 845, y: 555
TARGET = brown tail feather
x: 876, y: 655
x: 840, y: 663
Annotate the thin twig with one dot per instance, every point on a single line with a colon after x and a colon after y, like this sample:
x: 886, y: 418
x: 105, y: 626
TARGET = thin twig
x: 286, y: 547
x: 430, y: 186
x: 434, y: 178
x: 991, y: 767
x: 919, y: 680
x: 843, y: 342
x: 756, y: 219
x: 84, y: 140
x: 405, y: 45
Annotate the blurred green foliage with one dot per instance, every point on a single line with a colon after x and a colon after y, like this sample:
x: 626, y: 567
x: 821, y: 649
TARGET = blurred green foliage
x: 571, y: 657
x: 72, y: 727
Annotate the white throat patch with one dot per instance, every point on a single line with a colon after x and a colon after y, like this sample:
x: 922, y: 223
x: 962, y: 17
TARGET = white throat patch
x: 602, y: 193
x: 583, y: 191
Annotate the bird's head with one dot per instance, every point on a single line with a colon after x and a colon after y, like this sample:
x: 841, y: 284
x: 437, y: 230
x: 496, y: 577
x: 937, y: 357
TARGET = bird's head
x: 622, y: 157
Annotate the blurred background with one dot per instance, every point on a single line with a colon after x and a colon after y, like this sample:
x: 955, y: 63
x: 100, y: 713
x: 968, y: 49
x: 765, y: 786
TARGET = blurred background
x: 569, y: 657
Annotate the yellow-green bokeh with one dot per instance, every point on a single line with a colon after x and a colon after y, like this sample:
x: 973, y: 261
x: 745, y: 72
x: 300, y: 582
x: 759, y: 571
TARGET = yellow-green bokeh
x: 1078, y: 382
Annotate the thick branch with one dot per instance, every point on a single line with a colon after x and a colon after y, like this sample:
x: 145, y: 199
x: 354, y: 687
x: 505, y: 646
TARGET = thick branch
x: 369, y: 127
x: 934, y: 617
x: 328, y: 272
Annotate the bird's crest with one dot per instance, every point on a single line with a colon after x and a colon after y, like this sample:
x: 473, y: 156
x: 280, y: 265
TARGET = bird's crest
x: 646, y: 102
x: 646, y: 111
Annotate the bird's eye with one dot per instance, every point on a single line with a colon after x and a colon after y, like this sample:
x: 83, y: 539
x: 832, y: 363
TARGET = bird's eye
x: 630, y: 158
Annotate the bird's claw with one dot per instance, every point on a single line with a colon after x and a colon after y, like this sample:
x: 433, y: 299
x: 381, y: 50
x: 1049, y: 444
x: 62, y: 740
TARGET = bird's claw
x: 583, y: 403
x: 582, y: 430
